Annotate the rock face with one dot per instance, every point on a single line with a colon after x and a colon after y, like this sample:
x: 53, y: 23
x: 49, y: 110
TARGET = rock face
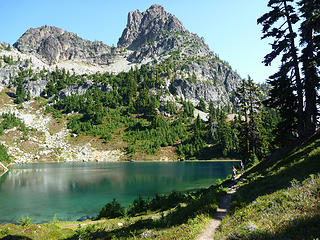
x: 148, y: 26
x: 53, y: 44
x: 150, y: 37
x: 199, y: 73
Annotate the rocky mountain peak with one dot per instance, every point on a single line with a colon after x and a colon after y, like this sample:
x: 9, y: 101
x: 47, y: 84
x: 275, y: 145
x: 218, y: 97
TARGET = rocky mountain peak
x: 190, y: 70
x: 148, y: 26
x: 53, y: 44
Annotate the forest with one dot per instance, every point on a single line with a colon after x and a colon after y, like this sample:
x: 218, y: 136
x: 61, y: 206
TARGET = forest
x: 132, y: 101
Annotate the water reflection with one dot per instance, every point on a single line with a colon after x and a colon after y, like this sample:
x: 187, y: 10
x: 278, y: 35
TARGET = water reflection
x: 75, y: 189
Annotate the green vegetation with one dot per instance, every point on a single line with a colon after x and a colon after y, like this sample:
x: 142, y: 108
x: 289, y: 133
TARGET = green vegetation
x: 25, y: 221
x: 278, y: 198
x: 148, y: 137
x: 9, y: 120
x: 8, y: 59
x: 294, y: 86
x: 124, y: 101
x: 130, y: 102
x: 32, y: 231
x: 288, y: 213
x: 112, y: 210
x: 4, y: 156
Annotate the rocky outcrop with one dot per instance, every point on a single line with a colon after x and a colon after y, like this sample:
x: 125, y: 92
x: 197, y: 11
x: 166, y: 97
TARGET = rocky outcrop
x: 79, y: 89
x: 155, y: 33
x: 53, y: 44
x: 148, y: 26
x: 35, y: 88
x: 45, y: 143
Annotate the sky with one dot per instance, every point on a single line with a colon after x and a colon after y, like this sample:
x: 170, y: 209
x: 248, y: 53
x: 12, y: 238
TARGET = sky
x: 228, y: 26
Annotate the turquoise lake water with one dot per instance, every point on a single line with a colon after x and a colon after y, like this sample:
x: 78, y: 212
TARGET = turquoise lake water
x: 72, y: 190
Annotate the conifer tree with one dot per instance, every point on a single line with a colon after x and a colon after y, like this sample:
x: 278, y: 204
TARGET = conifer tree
x: 249, y: 106
x: 20, y: 93
x: 310, y: 40
x: 284, y: 45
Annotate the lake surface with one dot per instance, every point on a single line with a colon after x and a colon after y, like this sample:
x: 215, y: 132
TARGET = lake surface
x: 72, y: 190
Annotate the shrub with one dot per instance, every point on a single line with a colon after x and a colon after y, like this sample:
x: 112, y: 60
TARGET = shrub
x: 89, y: 232
x: 253, y: 160
x: 131, y: 150
x: 167, y: 202
x: 4, y: 156
x: 112, y: 210
x: 138, y: 206
x: 25, y: 221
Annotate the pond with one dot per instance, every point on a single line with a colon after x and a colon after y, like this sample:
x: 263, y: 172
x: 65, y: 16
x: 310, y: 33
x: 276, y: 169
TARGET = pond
x: 72, y: 190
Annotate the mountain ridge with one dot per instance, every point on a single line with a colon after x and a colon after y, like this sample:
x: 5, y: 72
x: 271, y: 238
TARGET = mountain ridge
x: 153, y: 36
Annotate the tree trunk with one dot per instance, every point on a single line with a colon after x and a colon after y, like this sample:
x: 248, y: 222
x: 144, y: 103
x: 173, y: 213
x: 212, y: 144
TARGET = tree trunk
x: 301, y: 125
x: 310, y: 72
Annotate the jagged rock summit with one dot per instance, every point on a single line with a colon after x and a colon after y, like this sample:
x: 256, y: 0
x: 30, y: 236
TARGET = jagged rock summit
x: 148, y: 26
x: 156, y: 35
x: 53, y: 44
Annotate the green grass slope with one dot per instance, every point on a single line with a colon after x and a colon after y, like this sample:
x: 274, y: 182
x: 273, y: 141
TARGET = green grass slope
x: 279, y: 198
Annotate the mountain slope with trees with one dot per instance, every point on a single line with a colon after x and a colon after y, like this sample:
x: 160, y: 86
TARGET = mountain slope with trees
x: 166, y: 78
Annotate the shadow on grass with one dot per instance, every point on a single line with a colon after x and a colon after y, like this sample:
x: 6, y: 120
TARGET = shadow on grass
x: 300, y: 228
x: 270, y: 176
x: 206, y: 204
x: 174, y: 218
x: 15, y: 237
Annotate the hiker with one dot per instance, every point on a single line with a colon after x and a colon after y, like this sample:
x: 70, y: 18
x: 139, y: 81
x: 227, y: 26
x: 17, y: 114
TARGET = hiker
x: 242, y: 167
x: 234, y: 173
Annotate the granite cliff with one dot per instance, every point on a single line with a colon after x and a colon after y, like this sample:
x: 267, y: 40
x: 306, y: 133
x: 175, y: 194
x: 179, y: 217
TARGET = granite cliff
x: 53, y: 44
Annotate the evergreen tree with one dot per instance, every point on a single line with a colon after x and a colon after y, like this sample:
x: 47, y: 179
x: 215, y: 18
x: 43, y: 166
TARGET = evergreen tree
x: 250, y: 108
x: 283, y: 99
x: 20, y: 93
x: 188, y: 109
x: 284, y: 44
x: 310, y: 40
x: 202, y: 105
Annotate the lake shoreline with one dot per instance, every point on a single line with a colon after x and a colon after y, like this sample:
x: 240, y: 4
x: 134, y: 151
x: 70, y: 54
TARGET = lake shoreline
x: 100, y: 182
x: 140, y: 161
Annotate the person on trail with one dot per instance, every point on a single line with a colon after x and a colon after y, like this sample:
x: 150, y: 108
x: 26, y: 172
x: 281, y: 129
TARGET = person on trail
x: 234, y: 173
x: 242, y: 167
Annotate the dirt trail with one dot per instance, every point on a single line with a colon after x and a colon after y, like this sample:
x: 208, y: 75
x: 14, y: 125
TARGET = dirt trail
x: 210, y: 229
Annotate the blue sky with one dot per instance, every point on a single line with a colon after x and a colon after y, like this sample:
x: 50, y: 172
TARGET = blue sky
x: 228, y: 26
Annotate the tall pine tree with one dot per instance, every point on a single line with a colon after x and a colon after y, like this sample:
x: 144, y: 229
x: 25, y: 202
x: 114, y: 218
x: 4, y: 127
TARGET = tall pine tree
x: 310, y: 41
x: 250, y: 106
x: 284, y: 44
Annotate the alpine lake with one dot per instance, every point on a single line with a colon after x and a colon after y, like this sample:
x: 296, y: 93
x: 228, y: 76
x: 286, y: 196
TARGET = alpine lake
x: 75, y: 189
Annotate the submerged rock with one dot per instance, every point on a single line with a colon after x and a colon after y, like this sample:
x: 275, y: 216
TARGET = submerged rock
x: 84, y: 218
